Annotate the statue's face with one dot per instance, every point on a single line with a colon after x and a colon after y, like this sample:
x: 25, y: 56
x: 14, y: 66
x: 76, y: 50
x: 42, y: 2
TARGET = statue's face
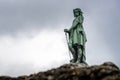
x: 76, y: 13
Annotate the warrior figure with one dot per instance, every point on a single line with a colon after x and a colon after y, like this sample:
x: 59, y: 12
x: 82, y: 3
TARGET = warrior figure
x: 77, y: 38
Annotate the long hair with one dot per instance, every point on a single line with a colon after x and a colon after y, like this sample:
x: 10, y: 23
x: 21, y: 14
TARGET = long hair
x: 77, y: 9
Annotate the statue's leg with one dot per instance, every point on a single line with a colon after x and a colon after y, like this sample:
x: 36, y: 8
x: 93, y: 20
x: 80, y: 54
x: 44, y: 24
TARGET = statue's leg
x: 72, y: 49
x: 75, y: 50
x: 81, y: 55
x: 79, y: 52
x: 84, y: 56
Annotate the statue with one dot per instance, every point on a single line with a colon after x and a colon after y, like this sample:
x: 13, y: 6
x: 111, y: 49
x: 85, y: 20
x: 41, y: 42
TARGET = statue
x: 77, y: 38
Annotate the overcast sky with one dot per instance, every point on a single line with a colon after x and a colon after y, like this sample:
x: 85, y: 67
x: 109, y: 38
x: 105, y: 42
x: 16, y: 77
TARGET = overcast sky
x: 32, y: 37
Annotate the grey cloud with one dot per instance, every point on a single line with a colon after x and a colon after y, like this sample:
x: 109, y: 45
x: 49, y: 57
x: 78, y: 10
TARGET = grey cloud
x: 25, y: 15
x: 32, y: 14
x: 107, y: 23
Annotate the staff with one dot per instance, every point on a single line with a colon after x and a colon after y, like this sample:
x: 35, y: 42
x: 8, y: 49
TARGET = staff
x: 67, y: 44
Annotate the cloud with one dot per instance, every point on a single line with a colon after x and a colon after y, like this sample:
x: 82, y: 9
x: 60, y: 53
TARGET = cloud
x: 40, y: 53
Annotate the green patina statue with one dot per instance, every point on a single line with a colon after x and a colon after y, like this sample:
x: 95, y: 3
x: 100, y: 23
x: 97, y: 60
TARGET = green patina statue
x: 77, y: 38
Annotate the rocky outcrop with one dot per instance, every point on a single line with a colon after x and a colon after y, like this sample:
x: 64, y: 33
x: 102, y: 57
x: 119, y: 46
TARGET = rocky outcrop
x: 106, y: 71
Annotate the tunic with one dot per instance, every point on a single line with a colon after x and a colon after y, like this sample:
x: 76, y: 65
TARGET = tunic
x: 76, y: 32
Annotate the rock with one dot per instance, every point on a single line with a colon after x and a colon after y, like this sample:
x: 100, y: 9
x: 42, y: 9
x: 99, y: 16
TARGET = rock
x: 106, y: 71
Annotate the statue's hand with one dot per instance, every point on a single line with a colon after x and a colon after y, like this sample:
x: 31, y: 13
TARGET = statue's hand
x: 66, y: 30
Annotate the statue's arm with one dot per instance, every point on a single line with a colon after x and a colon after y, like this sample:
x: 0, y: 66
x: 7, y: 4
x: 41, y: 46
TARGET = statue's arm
x: 74, y: 25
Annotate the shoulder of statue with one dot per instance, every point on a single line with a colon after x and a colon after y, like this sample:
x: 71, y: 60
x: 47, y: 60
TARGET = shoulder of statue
x: 80, y: 17
x: 77, y: 19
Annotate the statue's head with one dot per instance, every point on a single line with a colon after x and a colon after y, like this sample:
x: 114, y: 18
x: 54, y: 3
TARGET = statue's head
x: 77, y: 12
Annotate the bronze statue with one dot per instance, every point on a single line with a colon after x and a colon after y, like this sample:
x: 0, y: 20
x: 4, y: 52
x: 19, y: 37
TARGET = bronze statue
x: 77, y: 38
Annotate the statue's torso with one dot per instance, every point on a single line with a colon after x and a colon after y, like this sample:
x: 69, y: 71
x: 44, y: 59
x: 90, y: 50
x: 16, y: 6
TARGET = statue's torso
x: 77, y: 35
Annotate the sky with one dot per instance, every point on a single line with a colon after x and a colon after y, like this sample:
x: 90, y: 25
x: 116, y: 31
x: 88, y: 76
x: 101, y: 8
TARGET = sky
x: 32, y: 37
